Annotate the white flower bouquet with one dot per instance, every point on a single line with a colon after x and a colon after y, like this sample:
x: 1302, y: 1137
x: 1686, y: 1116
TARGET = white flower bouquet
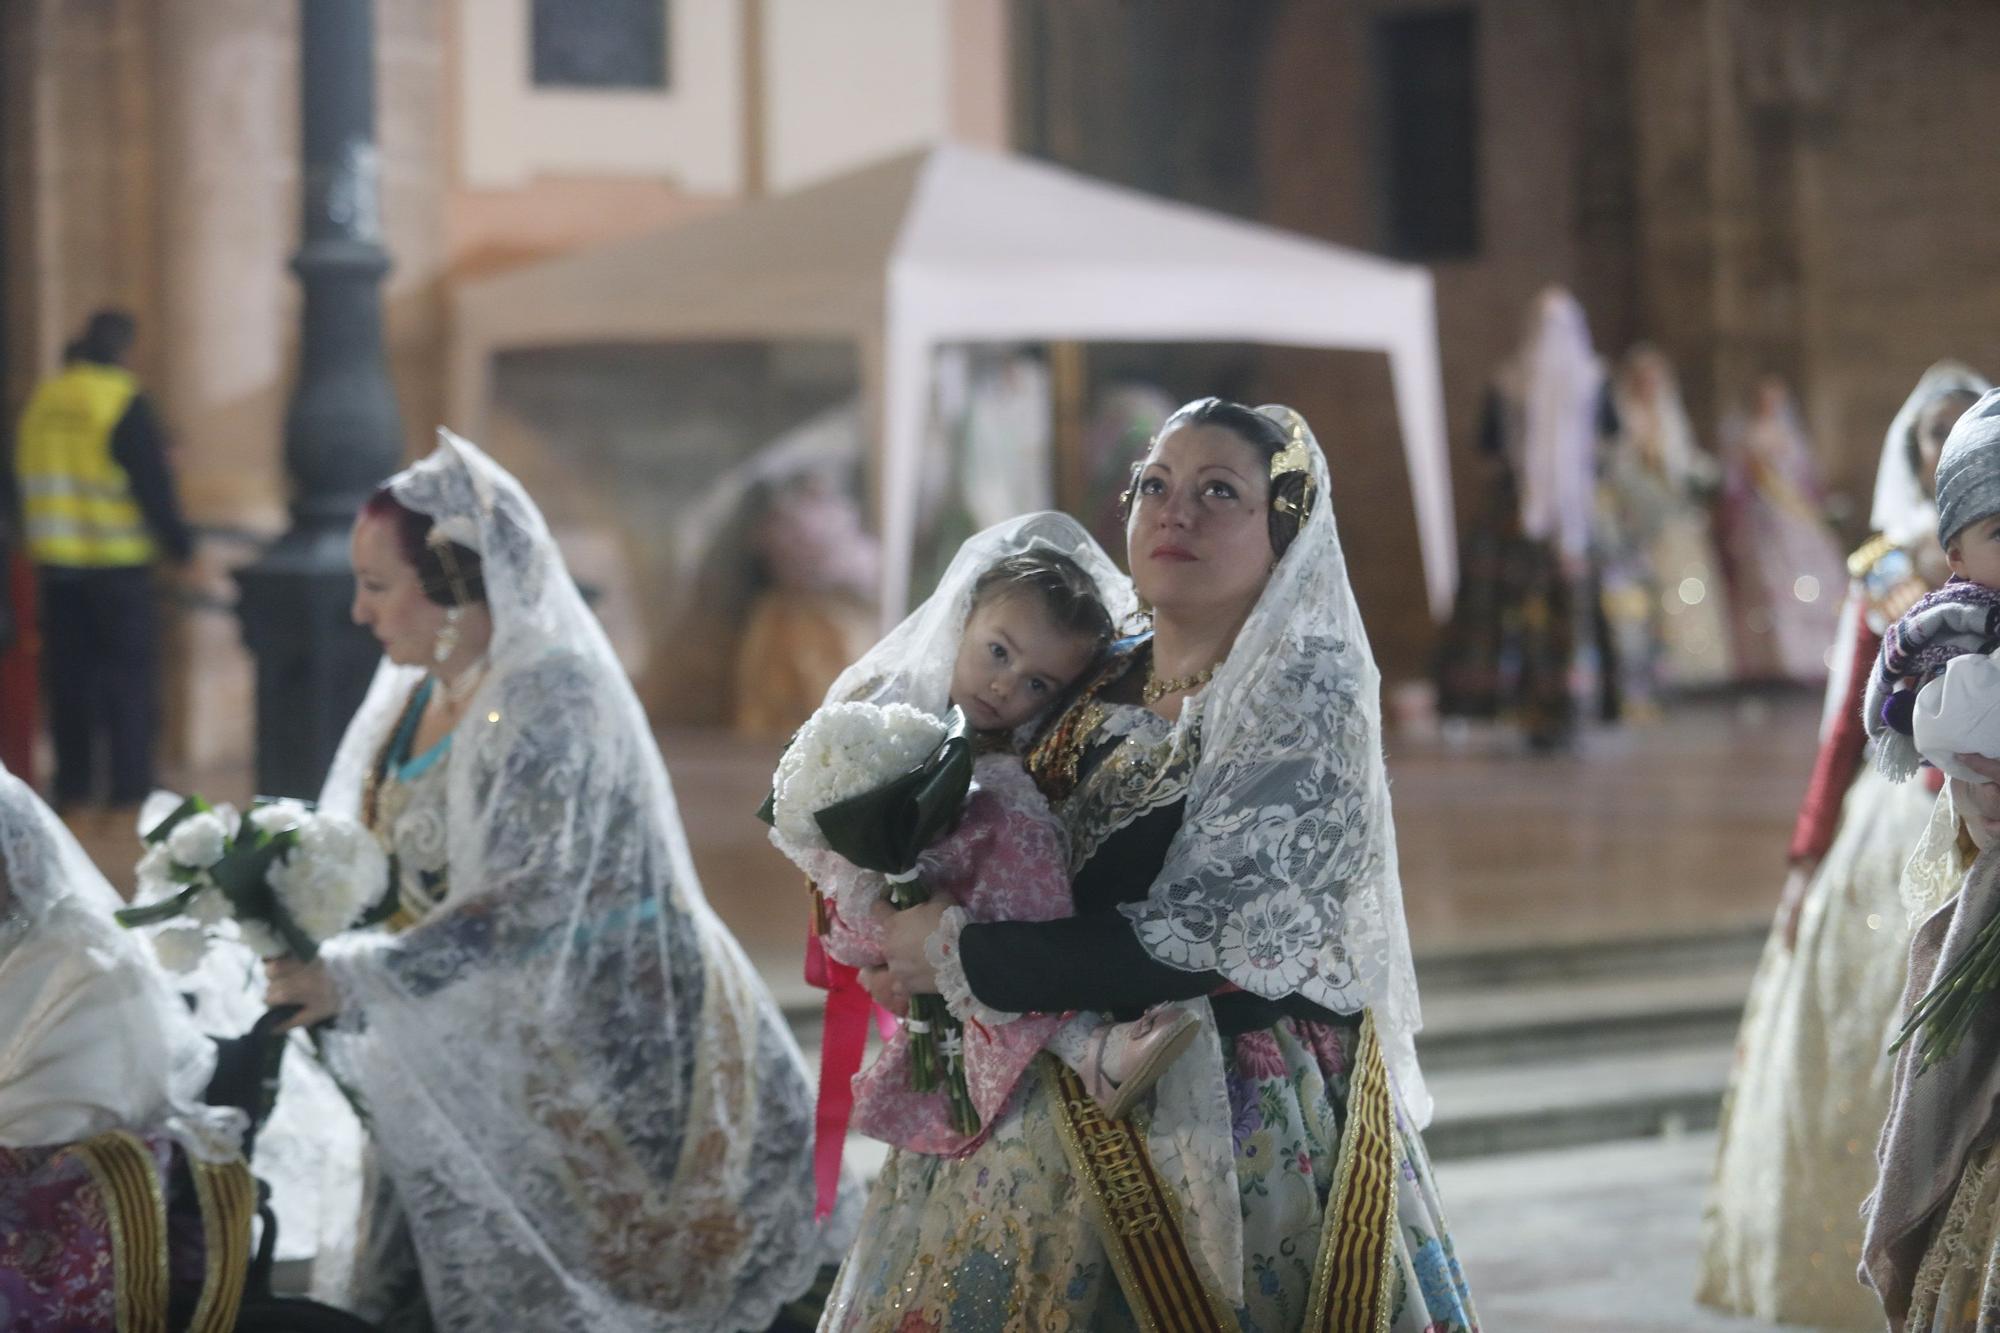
x: 876, y: 784
x: 284, y: 877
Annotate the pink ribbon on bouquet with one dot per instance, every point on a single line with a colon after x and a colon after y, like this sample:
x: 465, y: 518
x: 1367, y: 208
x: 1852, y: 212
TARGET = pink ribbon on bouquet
x: 844, y: 1036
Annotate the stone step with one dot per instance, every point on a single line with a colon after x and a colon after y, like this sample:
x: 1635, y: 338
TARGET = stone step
x: 1627, y: 956
x: 1570, y: 1100
x: 1583, y: 1015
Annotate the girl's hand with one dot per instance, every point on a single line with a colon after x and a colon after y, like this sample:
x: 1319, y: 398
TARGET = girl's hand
x: 307, y: 985
x: 903, y: 937
x: 883, y: 989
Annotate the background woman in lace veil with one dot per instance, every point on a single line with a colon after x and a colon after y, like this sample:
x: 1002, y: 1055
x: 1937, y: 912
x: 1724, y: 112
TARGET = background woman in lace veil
x: 587, y: 1112
x: 1222, y: 787
x: 102, y: 1076
x: 1812, y: 1074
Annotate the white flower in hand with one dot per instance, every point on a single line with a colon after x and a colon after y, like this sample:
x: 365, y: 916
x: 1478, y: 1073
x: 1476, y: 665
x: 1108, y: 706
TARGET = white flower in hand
x: 335, y: 873
x: 198, y: 841
x: 209, y: 907
x: 154, y: 811
x: 280, y: 815
x: 155, y: 873
x: 262, y: 940
x: 180, y: 948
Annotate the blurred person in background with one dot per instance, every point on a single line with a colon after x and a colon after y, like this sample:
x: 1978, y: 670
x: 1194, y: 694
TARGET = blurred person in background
x: 1512, y: 648
x: 1777, y: 547
x: 1663, y: 593
x: 1812, y: 1075
x: 98, y: 509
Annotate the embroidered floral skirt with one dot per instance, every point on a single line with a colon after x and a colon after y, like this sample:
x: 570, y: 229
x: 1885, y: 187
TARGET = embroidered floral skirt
x: 1000, y: 1240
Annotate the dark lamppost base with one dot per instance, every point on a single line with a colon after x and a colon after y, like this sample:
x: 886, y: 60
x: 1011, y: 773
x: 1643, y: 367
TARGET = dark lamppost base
x: 342, y: 432
x: 313, y: 662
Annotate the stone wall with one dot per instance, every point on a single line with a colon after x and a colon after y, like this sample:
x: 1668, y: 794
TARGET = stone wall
x: 1798, y: 186
x: 150, y: 160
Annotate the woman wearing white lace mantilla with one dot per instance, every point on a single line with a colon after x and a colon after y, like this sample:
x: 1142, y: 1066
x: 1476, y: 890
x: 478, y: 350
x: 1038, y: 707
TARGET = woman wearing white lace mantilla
x: 586, y: 1107
x: 1222, y: 785
x: 121, y: 1194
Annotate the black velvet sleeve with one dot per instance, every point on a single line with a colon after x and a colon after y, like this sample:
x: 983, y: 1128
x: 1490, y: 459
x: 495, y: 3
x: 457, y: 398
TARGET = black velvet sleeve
x: 1079, y: 962
x: 139, y: 445
x: 1096, y: 962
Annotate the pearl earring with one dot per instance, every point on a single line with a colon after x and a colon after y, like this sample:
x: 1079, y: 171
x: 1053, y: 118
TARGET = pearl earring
x: 447, y: 638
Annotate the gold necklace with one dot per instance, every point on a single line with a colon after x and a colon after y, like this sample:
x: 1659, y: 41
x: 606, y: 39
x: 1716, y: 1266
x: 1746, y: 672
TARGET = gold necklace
x: 1156, y: 690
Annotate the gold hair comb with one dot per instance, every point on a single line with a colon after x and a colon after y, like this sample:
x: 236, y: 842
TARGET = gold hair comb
x: 1293, y: 457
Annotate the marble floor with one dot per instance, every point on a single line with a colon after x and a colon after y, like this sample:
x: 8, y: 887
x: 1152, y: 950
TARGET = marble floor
x: 1598, y: 1239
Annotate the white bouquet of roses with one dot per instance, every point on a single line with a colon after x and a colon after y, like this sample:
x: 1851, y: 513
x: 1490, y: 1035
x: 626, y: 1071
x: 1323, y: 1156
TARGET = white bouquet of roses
x: 282, y: 877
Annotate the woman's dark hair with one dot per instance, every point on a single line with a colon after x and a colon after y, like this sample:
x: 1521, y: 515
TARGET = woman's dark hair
x: 449, y: 574
x: 1290, y: 494
x: 1066, y: 593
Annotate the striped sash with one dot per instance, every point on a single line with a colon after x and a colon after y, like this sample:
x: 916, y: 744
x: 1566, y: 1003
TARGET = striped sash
x: 136, y: 1207
x: 1139, y: 1219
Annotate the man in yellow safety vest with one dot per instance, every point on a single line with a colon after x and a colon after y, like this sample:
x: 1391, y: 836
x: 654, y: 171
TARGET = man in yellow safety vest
x: 97, y: 509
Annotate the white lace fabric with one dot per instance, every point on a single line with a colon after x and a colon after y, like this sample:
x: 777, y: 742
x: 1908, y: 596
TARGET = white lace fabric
x: 1900, y: 509
x: 913, y: 662
x: 593, y: 1113
x: 54, y: 901
x: 1283, y: 875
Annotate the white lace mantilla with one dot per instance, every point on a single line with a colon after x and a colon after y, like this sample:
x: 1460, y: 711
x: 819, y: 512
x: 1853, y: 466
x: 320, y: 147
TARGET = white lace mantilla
x: 1283, y: 875
x: 593, y: 1114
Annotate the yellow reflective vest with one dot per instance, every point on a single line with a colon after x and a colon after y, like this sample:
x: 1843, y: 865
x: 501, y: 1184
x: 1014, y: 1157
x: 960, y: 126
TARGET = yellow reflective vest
x: 76, y: 502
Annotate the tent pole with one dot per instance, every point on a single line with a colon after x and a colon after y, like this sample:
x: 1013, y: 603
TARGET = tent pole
x: 1069, y: 393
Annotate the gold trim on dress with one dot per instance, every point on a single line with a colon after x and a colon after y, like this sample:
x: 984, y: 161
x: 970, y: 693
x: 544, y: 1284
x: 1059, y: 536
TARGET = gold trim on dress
x: 228, y: 1198
x: 1136, y: 1216
x: 1867, y: 555
x: 1352, y: 1278
x: 136, y: 1207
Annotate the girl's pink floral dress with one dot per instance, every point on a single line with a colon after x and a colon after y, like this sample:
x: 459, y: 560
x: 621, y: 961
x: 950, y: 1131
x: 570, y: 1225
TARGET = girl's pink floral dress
x: 1006, y: 861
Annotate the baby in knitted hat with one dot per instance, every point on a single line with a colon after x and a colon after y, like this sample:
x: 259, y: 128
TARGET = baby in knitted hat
x: 1935, y: 693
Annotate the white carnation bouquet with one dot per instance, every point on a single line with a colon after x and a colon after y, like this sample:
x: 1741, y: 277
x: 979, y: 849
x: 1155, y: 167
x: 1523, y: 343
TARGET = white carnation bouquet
x: 876, y: 784
x: 846, y: 750
x: 283, y: 878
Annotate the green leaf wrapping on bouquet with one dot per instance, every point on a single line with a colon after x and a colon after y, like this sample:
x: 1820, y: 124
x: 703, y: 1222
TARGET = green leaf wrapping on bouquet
x: 887, y: 829
x: 153, y: 913
x: 243, y: 876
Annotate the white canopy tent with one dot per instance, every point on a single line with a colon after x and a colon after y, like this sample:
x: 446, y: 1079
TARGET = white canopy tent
x: 952, y: 244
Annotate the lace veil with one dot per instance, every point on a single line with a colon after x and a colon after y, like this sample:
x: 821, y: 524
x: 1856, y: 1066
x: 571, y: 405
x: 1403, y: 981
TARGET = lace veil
x: 1283, y: 876
x: 1902, y: 511
x: 913, y: 662
x: 1556, y: 378
x: 51, y: 892
x: 594, y: 1115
